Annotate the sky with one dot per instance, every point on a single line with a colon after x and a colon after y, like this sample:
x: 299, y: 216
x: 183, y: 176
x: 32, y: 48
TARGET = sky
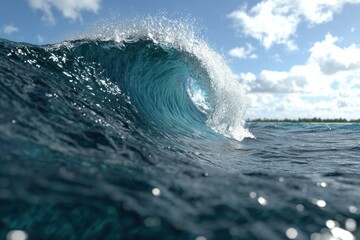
x: 295, y: 58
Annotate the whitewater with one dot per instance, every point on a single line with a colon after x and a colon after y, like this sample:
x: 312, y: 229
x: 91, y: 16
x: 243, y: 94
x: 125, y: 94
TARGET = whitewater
x: 136, y: 130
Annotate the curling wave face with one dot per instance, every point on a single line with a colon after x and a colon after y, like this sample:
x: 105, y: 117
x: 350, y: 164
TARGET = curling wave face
x: 169, y: 78
x: 188, y: 64
x: 144, y: 87
x: 151, y: 80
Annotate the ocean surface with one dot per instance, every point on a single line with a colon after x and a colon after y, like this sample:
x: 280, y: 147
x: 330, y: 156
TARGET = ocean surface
x: 137, y: 131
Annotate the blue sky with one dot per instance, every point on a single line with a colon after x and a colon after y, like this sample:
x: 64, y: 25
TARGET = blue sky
x: 296, y: 58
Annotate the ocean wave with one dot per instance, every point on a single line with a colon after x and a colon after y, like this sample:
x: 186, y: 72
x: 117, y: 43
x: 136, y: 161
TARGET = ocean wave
x: 152, y: 74
x: 215, y: 85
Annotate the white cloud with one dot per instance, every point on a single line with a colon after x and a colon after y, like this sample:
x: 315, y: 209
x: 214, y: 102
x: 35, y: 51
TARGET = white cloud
x: 10, y: 29
x: 277, y: 58
x: 268, y: 81
x: 332, y: 58
x: 243, y: 52
x: 40, y: 38
x: 326, y: 64
x: 267, y: 22
x: 276, y: 21
x: 327, y: 85
x: 69, y: 8
x: 295, y: 106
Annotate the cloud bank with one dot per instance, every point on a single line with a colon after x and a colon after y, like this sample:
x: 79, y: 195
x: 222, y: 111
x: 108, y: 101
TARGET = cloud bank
x: 276, y: 21
x: 70, y: 9
x: 326, y: 85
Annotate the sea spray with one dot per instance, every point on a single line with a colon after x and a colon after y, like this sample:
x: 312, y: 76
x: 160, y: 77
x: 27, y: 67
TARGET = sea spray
x: 228, y: 100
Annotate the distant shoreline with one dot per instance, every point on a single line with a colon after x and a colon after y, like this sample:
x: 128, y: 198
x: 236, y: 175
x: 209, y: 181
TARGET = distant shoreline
x: 250, y: 121
x: 307, y: 121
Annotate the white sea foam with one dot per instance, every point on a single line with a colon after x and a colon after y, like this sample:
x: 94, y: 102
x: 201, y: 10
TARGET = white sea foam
x: 227, y: 116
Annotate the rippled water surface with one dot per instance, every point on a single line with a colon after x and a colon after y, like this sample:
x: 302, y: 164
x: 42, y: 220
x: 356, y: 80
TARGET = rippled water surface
x: 104, y: 139
x: 296, y: 177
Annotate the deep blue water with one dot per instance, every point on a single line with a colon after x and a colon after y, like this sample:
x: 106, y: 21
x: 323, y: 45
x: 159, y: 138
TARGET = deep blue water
x: 102, y: 140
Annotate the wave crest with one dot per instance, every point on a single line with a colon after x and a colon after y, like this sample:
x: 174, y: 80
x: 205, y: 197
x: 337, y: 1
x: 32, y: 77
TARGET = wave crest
x: 229, y: 100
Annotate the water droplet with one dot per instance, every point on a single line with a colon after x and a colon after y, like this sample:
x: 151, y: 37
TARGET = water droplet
x: 316, y: 236
x: 353, y: 209
x: 262, y: 201
x: 291, y: 233
x: 156, y: 192
x: 200, y: 238
x: 16, y: 235
x: 331, y: 224
x: 252, y: 195
x: 319, y: 202
x: 350, y: 224
x: 340, y: 233
x: 300, y: 207
x: 321, y: 184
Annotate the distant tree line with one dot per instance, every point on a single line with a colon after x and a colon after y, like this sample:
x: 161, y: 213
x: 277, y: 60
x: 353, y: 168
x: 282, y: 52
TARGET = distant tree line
x: 307, y: 120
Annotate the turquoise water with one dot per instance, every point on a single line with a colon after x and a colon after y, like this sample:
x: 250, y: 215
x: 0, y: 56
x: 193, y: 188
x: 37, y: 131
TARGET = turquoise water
x: 141, y: 139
